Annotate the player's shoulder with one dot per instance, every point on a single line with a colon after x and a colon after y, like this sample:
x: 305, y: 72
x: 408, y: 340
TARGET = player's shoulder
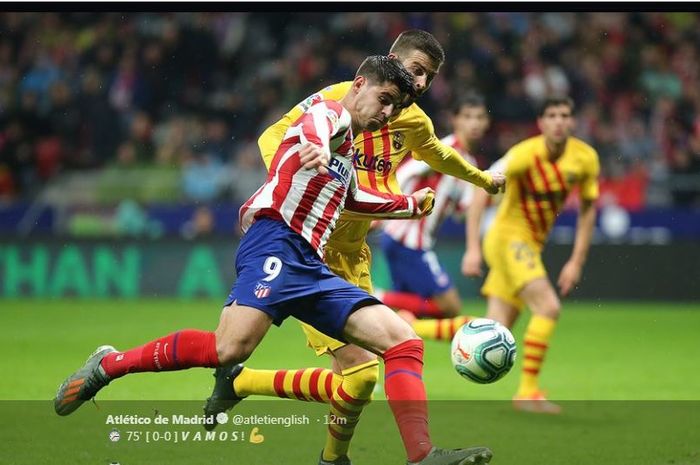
x: 330, y: 105
x: 332, y: 92
x: 335, y: 91
x: 334, y: 112
x: 583, y: 148
x: 527, y: 147
x: 340, y: 88
x: 412, y: 116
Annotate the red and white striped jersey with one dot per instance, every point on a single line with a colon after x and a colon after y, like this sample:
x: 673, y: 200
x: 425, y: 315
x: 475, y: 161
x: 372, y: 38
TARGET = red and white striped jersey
x: 452, y: 195
x: 308, y: 201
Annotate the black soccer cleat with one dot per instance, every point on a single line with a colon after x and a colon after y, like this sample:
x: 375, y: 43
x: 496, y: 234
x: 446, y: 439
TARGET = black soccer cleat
x: 342, y: 460
x: 223, y: 396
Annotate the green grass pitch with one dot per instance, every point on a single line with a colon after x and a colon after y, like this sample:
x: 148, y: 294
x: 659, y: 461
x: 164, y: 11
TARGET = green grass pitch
x: 626, y: 373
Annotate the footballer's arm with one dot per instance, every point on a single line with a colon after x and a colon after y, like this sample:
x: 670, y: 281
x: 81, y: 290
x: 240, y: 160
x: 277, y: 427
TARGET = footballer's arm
x: 380, y: 205
x: 447, y: 160
x: 571, y: 272
x: 471, y: 261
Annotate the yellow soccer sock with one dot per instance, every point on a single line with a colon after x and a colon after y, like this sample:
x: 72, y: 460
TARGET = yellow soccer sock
x: 442, y: 329
x: 311, y: 384
x: 348, y: 400
x: 537, y: 335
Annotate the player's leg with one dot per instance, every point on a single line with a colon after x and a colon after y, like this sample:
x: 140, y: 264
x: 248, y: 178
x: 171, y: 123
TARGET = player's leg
x: 234, y: 383
x: 378, y: 329
x: 448, y: 302
x: 507, y: 271
x: 422, y: 289
x: 307, y: 384
x: 347, y: 388
x: 416, y: 277
x: 441, y: 329
x: 353, y: 377
x: 239, y: 332
x: 358, y: 370
x: 410, y: 301
x: 517, y: 277
x: 523, y: 281
x: 247, y: 315
x: 504, y: 312
x: 442, y: 302
x: 542, y: 300
x: 310, y: 383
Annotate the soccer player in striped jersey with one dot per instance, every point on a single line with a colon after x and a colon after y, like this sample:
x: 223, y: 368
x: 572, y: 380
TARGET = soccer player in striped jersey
x: 420, y: 286
x: 541, y: 171
x: 280, y: 272
x: 376, y: 158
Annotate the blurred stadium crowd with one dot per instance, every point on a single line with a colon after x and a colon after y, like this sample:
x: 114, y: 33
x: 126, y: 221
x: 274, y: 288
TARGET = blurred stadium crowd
x: 188, y: 93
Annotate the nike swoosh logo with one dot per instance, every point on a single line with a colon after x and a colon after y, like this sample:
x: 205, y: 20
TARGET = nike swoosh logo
x: 165, y: 352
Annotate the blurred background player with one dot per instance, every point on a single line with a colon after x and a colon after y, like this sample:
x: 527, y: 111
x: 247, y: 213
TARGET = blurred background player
x: 377, y: 156
x: 422, y: 291
x: 541, y: 171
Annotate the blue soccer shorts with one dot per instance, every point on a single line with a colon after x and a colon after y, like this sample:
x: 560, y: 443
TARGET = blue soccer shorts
x: 280, y: 274
x: 415, y: 271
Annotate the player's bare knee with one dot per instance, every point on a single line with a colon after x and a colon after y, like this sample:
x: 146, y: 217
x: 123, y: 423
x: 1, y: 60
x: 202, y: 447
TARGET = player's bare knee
x: 550, y: 308
x: 554, y: 310
x: 450, y: 310
x: 233, y: 351
x: 403, y: 331
x: 350, y: 356
x: 401, y: 335
x: 398, y: 334
x: 449, y: 303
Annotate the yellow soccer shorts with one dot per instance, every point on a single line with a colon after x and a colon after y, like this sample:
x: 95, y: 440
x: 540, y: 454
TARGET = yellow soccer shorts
x: 354, y: 267
x: 513, y: 262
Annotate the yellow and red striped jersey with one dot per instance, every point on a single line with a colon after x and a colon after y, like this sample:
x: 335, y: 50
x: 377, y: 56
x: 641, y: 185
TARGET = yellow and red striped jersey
x: 376, y: 157
x: 537, y: 187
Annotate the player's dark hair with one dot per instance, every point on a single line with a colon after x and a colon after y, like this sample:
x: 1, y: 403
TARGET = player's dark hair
x: 423, y: 41
x: 555, y: 101
x: 470, y: 99
x: 382, y: 69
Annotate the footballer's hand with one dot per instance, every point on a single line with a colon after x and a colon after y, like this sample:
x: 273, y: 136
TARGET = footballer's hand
x: 569, y: 277
x: 425, y: 199
x: 471, y: 264
x: 498, y: 183
x: 312, y: 156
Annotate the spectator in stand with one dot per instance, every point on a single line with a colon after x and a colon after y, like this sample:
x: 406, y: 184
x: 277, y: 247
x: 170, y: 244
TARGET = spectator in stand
x: 82, y: 79
x: 246, y: 173
x: 202, y: 177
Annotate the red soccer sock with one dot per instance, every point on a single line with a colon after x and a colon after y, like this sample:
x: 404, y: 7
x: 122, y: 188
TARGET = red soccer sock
x: 414, y: 303
x: 403, y: 383
x: 184, y: 349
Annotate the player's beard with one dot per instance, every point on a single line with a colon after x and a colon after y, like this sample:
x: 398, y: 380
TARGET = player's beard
x: 374, y: 124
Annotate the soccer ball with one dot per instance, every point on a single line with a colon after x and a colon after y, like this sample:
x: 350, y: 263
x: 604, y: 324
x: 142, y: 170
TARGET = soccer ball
x: 483, y: 351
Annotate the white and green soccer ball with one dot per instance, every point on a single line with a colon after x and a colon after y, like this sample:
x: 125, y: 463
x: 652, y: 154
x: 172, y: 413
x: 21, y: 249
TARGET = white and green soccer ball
x: 483, y: 351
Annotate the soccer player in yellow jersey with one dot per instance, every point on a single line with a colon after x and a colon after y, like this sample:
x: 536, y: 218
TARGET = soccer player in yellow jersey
x: 349, y: 386
x: 540, y: 171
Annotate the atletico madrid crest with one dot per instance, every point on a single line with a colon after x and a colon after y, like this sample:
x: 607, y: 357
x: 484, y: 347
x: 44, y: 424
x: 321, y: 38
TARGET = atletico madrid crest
x: 262, y: 290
